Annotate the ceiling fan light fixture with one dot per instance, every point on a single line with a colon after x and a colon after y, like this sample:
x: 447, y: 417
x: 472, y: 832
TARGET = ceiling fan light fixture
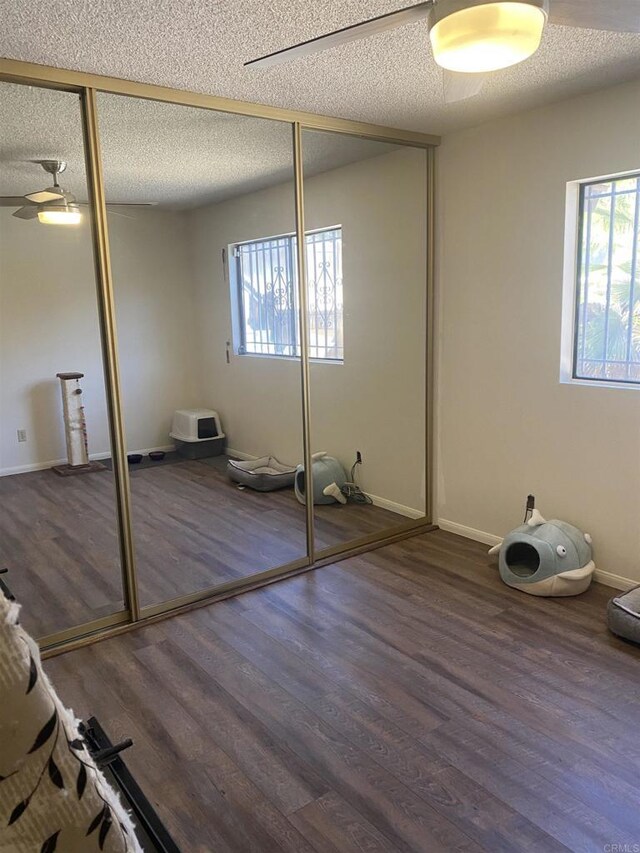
x: 60, y: 214
x: 476, y: 37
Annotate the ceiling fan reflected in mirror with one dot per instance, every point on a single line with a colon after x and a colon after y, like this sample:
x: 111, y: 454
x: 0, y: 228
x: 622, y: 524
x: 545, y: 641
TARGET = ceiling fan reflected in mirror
x: 52, y: 205
x: 471, y: 38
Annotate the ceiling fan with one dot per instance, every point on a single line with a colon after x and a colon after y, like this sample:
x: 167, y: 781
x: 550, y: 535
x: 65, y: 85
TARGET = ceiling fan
x: 470, y: 38
x: 53, y: 205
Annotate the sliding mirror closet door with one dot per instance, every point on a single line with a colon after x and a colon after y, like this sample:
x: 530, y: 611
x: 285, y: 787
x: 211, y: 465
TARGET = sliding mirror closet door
x: 366, y: 265
x: 58, y: 527
x: 201, y: 217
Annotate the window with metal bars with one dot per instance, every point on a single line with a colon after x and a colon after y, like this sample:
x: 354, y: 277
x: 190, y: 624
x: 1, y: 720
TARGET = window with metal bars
x: 264, y: 291
x: 607, y: 319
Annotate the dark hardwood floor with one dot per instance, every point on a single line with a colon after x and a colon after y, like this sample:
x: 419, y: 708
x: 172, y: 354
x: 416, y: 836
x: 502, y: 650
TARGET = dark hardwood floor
x: 403, y: 700
x: 193, y: 529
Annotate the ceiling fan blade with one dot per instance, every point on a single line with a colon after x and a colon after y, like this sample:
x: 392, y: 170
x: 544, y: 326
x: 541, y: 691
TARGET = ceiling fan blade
x: 618, y: 16
x: 29, y: 212
x: 123, y: 203
x: 347, y: 34
x: 43, y: 196
x: 120, y: 213
x: 459, y: 87
x: 12, y: 201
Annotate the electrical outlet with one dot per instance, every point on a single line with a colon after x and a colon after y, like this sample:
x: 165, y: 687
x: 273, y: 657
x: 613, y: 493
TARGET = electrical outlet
x: 22, y: 435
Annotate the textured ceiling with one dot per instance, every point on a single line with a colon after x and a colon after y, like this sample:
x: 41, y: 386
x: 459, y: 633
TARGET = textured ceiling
x: 176, y: 157
x: 388, y: 79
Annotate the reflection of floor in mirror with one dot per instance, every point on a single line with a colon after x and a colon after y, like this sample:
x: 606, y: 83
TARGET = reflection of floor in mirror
x: 193, y: 530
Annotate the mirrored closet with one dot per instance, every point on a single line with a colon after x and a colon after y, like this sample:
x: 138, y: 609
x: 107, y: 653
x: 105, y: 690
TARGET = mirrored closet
x: 365, y: 217
x: 255, y: 291
x: 58, y: 524
x: 201, y: 216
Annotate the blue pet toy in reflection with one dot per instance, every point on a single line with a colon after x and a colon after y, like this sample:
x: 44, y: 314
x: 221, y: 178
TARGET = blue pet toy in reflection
x: 328, y: 477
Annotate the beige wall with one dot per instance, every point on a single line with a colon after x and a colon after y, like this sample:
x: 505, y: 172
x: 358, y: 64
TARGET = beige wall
x: 49, y: 323
x: 374, y: 402
x: 156, y: 317
x: 506, y: 425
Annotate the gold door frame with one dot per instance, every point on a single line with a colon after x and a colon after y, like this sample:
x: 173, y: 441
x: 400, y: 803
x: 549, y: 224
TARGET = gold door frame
x: 87, y: 86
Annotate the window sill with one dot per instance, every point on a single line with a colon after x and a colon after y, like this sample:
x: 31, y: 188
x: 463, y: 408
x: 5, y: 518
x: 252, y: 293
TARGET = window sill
x: 329, y: 361
x: 600, y: 383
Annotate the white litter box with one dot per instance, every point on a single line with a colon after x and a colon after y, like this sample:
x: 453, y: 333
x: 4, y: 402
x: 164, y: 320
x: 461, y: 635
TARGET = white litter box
x: 197, y: 433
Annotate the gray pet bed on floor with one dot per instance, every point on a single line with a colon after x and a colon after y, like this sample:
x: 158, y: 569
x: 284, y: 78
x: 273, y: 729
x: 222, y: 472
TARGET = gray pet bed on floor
x: 265, y: 474
x: 623, y: 615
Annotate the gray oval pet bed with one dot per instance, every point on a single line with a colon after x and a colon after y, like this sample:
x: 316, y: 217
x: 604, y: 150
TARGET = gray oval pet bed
x: 265, y: 474
x: 623, y: 615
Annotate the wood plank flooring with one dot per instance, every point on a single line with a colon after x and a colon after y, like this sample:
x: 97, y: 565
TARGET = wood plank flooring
x: 193, y: 529
x: 403, y: 700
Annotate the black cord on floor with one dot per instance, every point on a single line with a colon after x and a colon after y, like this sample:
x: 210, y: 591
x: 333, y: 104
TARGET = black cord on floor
x: 352, y: 490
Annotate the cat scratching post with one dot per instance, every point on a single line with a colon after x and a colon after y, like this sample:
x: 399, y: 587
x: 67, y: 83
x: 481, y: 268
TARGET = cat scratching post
x: 75, y: 428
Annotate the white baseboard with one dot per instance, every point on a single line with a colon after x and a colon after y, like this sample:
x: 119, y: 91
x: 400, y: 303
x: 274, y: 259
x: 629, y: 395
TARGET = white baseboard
x: 615, y: 581
x: 94, y: 457
x: 469, y: 532
x: 27, y: 469
x: 238, y: 454
x: 606, y: 578
x: 400, y: 509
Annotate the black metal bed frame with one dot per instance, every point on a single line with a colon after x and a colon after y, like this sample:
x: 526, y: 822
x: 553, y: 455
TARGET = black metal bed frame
x: 150, y: 831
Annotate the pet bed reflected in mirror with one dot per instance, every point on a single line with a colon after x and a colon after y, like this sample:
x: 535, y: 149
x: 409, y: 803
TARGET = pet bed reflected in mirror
x: 265, y: 474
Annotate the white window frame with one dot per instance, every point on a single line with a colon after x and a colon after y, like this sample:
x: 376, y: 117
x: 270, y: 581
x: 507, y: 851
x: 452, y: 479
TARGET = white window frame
x: 569, y: 329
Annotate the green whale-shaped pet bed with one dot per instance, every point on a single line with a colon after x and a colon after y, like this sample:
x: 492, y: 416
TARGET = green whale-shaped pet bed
x: 546, y: 558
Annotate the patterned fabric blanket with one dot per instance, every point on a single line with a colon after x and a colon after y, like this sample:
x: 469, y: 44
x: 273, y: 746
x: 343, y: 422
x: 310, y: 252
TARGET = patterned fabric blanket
x: 52, y: 796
